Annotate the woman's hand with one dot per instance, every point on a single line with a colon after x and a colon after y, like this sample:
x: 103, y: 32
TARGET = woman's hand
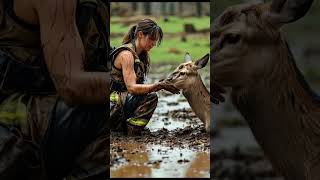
x: 162, y: 84
x: 216, y: 91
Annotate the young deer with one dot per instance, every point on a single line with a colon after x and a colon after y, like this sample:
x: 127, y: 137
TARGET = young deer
x: 251, y: 56
x: 186, y: 78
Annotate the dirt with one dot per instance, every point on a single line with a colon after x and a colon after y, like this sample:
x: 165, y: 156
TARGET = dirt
x: 155, y: 151
x: 188, y: 137
x: 174, y: 144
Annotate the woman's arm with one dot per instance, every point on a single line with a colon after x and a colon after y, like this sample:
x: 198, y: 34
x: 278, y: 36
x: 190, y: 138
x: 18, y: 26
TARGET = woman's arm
x: 126, y: 61
x: 64, y: 54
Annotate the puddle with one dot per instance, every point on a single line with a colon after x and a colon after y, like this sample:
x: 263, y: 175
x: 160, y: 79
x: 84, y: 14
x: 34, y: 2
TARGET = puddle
x: 140, y: 160
x: 172, y: 112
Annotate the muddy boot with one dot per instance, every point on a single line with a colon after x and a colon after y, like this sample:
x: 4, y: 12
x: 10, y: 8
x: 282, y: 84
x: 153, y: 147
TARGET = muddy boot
x: 133, y: 130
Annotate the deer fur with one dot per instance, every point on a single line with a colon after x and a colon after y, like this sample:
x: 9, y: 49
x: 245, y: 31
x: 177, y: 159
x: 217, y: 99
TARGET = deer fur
x: 251, y: 56
x: 187, y: 78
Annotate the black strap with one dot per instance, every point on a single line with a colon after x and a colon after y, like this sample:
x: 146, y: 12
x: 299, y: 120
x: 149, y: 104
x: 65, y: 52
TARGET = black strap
x: 85, y: 11
x: 17, y: 76
x: 103, y: 31
x: 8, y: 7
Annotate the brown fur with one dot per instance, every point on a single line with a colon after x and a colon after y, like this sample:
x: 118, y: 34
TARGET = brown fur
x: 186, y: 78
x: 269, y: 90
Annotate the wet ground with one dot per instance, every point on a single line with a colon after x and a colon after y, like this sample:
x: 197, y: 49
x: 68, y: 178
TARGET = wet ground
x: 174, y: 144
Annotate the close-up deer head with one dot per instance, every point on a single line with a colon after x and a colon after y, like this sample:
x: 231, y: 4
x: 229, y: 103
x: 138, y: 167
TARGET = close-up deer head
x: 186, y: 73
x: 247, y: 41
x: 250, y: 55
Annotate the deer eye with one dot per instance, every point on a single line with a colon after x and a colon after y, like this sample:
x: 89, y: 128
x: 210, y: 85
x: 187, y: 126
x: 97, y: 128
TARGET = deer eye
x: 182, y: 73
x: 180, y: 67
x: 231, y: 38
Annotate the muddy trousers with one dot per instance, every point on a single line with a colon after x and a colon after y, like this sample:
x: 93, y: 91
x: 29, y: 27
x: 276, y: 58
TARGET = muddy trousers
x: 19, y: 157
x: 65, y: 142
x: 131, y: 111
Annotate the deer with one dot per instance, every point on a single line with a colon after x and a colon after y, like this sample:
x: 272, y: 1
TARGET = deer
x: 251, y: 57
x: 187, y: 78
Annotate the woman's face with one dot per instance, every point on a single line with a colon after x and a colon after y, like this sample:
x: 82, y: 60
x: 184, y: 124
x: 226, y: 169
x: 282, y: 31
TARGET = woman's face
x: 146, y: 42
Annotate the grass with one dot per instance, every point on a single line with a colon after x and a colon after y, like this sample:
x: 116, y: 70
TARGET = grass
x: 174, y: 25
x: 197, y: 46
x: 172, y: 49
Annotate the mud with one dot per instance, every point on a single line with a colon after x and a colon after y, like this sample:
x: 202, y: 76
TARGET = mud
x: 174, y: 144
x: 163, y: 153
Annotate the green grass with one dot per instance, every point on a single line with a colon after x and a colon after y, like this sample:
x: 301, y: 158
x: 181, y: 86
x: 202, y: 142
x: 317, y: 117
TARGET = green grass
x: 196, y: 45
x: 174, y: 25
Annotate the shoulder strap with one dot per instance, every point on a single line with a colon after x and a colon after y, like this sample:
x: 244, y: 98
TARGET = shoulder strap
x: 115, y: 51
x: 86, y: 9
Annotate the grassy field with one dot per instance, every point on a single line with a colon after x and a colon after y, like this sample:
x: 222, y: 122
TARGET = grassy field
x: 174, y: 25
x: 172, y: 49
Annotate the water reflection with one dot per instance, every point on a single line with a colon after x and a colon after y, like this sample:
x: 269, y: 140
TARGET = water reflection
x: 162, y: 119
x: 159, y: 161
x: 135, y: 164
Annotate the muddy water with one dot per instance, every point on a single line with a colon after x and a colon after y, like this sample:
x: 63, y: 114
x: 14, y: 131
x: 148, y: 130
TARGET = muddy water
x: 174, y: 144
x: 141, y: 160
x: 176, y: 107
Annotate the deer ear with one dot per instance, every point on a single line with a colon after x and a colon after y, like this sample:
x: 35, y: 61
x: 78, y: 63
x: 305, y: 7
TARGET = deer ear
x: 202, y: 62
x: 187, y: 57
x: 286, y: 11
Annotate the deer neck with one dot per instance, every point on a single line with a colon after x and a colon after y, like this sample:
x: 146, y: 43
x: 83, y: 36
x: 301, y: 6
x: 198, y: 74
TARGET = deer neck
x: 284, y: 117
x: 199, y: 99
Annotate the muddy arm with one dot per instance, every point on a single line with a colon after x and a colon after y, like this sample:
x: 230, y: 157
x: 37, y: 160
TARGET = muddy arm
x: 64, y: 55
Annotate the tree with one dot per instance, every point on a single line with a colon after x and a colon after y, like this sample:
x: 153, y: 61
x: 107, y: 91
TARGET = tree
x: 172, y: 8
x: 180, y: 8
x: 164, y: 8
x: 147, y: 8
x: 199, y: 9
x: 134, y: 6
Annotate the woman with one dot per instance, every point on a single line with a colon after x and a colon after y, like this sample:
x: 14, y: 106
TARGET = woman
x: 132, y: 102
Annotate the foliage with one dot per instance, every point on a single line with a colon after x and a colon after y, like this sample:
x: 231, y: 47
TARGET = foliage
x: 172, y: 48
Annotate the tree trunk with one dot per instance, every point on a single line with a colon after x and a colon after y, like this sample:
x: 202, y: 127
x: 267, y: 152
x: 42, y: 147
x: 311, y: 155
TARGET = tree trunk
x: 163, y: 8
x: 147, y: 8
x: 199, y: 9
x: 171, y: 9
x: 134, y: 6
x: 180, y: 7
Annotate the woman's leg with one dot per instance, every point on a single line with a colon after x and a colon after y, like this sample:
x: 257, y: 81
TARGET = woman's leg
x: 138, y: 110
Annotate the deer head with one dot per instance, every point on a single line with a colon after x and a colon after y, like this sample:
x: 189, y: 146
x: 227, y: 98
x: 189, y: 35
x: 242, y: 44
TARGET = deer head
x: 247, y: 42
x: 186, y: 77
x: 186, y: 73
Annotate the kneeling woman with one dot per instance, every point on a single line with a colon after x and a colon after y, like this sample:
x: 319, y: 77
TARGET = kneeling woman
x: 132, y: 102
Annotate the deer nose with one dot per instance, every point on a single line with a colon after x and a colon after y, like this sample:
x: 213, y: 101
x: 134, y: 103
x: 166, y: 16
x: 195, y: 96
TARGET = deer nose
x: 170, y: 77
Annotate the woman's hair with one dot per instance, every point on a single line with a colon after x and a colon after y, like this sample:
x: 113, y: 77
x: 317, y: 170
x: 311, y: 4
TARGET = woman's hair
x: 147, y: 27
